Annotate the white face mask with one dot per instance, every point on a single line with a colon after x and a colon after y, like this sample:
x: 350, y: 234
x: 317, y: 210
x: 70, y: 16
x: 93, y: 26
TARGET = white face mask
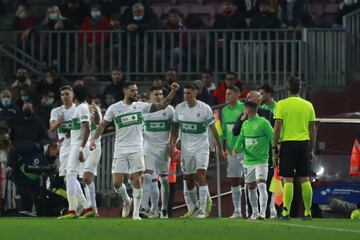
x: 23, y: 15
x: 95, y: 14
x: 3, y: 156
x: 138, y: 18
x: 53, y: 16
x: 348, y: 2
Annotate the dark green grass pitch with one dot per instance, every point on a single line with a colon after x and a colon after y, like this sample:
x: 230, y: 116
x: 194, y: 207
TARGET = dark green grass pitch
x: 172, y: 229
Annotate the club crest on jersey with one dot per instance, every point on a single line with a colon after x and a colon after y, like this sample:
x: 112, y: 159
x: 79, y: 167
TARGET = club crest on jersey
x: 164, y: 114
x: 198, y: 115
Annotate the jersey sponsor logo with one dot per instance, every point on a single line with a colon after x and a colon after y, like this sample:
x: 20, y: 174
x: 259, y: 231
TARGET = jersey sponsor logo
x: 230, y: 126
x: 157, y: 125
x: 129, y: 119
x: 193, y: 127
x: 84, y: 117
x: 251, y: 142
x: 65, y: 127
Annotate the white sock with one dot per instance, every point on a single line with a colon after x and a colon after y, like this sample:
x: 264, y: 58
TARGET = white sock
x: 146, y: 190
x: 246, y: 201
x: 165, y: 188
x: 194, y: 197
x: 71, y: 190
x: 253, y: 197
x: 154, y: 196
x: 187, y: 198
x: 272, y: 204
x: 137, y: 193
x: 203, y: 195
x: 91, y: 195
x: 263, y: 197
x: 80, y: 196
x: 122, y: 192
x: 236, y: 198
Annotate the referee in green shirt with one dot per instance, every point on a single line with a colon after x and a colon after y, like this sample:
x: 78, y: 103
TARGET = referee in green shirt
x: 295, y: 132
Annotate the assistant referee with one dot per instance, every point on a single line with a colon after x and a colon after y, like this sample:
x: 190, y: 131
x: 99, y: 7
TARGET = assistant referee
x: 294, y: 139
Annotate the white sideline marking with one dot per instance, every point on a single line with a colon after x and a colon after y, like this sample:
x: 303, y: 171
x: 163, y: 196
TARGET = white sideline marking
x: 313, y: 227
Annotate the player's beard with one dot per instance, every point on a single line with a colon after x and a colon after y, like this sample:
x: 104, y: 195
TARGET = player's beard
x: 133, y: 99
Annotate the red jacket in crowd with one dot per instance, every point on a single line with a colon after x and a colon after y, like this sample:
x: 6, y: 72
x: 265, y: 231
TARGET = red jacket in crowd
x: 90, y: 25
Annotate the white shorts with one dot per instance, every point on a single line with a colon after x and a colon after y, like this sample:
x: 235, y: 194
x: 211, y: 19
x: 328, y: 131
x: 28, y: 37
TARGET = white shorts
x: 128, y: 163
x: 256, y: 172
x: 192, y: 163
x: 92, y: 161
x: 63, y: 159
x: 157, y: 161
x: 74, y: 165
x: 235, y: 168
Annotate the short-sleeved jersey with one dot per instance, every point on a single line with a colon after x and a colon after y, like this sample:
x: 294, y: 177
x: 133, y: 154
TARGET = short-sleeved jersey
x: 296, y: 114
x: 157, y: 128
x: 255, y: 137
x: 81, y: 114
x: 93, y: 127
x: 229, y: 116
x: 64, y: 127
x: 194, y: 123
x: 128, y: 121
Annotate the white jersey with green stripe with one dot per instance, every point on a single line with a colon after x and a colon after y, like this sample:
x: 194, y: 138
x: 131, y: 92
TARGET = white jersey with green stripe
x: 64, y: 127
x: 93, y: 127
x: 128, y: 121
x: 81, y: 114
x: 194, y: 124
x: 157, y: 128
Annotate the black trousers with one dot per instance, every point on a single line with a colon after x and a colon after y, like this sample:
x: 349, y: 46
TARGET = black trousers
x: 171, y: 198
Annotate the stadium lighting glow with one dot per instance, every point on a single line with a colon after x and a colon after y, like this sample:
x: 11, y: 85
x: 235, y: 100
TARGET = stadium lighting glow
x: 320, y: 171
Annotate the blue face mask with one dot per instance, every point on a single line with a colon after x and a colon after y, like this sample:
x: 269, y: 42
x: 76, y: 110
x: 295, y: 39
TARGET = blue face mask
x: 25, y: 98
x: 138, y: 18
x: 95, y: 14
x: 50, y: 101
x: 53, y: 16
x: 6, y: 102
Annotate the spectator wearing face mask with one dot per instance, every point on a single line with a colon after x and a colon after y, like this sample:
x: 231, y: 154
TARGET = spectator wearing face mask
x: 9, y: 112
x: 30, y: 128
x: 21, y: 80
x: 46, y: 105
x: 295, y: 14
x: 345, y: 7
x: 26, y: 95
x: 140, y: 19
x: 49, y: 83
x: 24, y: 21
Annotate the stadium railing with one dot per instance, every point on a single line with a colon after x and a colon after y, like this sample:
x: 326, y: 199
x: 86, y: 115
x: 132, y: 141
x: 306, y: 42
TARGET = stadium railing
x: 351, y: 23
x: 274, y: 54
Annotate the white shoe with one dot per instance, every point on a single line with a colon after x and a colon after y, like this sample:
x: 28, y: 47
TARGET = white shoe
x: 126, y: 209
x: 195, y: 213
x: 235, y: 215
x: 254, y: 217
x: 273, y: 214
x: 163, y: 214
x: 153, y: 215
x: 201, y: 215
x: 136, y: 218
x: 261, y: 216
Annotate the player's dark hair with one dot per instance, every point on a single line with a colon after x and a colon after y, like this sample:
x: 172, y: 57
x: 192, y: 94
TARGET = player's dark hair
x: 293, y: 85
x: 66, y: 87
x: 80, y: 93
x: 191, y: 85
x: 234, y: 88
x: 268, y: 89
x: 207, y: 71
x: 127, y: 84
x: 154, y: 88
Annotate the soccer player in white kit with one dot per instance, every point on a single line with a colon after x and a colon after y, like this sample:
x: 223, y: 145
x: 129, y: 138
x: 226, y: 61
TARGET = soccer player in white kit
x: 60, y: 120
x: 194, y: 118
x: 128, y: 153
x: 80, y: 131
x: 156, y: 139
x: 89, y: 168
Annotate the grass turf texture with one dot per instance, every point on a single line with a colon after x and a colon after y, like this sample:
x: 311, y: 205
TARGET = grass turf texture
x: 111, y: 228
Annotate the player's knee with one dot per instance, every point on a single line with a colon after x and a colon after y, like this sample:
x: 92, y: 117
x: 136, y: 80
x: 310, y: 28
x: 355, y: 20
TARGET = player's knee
x: 251, y: 185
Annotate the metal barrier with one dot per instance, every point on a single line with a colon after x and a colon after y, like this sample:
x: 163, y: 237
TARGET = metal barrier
x: 270, y: 62
x: 351, y: 23
x: 325, y: 55
x: 149, y: 52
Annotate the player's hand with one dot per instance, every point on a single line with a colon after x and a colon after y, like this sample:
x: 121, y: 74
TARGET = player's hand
x: 221, y: 154
x: 61, y: 119
x: 174, y: 87
x: 60, y: 142
x: 8, y: 170
x: 81, y: 156
x: 245, y: 116
x: 234, y: 153
x: 312, y: 155
x: 92, y: 145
